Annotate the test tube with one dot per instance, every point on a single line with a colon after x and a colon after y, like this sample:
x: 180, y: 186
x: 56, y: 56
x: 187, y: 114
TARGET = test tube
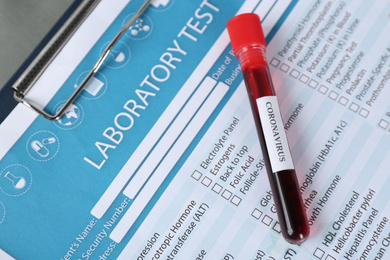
x: 249, y: 47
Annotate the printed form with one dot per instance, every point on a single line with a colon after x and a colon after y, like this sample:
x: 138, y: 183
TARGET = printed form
x: 159, y: 156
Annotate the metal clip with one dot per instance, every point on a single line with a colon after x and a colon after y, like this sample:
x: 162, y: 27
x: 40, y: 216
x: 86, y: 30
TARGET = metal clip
x: 27, y: 80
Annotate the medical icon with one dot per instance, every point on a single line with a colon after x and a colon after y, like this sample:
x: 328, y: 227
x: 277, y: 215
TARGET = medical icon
x: 72, y: 117
x: 40, y: 149
x: 119, y: 56
x: 161, y: 5
x: 15, y: 180
x: 50, y: 140
x: 43, y: 146
x: 140, y: 29
x: 95, y: 87
x: 157, y: 3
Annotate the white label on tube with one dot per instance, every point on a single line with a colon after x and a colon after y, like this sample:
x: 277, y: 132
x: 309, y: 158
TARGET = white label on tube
x: 274, y: 134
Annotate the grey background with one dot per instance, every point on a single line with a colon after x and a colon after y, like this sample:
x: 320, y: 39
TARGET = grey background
x: 23, y: 24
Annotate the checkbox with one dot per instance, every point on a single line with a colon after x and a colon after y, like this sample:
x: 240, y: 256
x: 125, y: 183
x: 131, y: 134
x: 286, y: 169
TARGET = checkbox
x: 333, y: 95
x: 354, y: 107
x: 196, y: 175
x: 319, y: 253
x: 275, y: 62
x: 257, y: 213
x: 329, y: 257
x: 323, y: 89
x: 364, y: 112
x: 284, y: 67
x: 304, y: 78
x: 294, y: 73
x: 343, y: 101
x: 236, y: 200
x: 383, y: 124
x: 206, y: 181
x: 313, y: 83
x: 267, y: 220
x: 277, y: 227
x: 217, y: 188
x: 227, y: 194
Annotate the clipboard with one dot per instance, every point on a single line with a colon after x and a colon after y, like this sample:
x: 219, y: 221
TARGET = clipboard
x: 198, y: 91
x: 140, y: 182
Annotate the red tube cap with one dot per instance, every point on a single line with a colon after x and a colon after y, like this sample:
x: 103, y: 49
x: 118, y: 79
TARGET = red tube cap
x: 245, y: 30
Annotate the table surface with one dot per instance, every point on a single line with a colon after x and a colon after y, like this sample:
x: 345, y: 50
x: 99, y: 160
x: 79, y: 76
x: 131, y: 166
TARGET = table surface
x: 23, y: 24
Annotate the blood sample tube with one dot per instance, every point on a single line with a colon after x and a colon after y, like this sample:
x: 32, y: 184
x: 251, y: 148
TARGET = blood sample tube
x: 249, y: 47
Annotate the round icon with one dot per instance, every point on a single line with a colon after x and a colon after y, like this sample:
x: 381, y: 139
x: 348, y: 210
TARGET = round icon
x: 161, y: 5
x: 72, y: 118
x: 15, y: 180
x: 43, y: 146
x: 119, y: 55
x: 96, y: 86
x: 140, y: 29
